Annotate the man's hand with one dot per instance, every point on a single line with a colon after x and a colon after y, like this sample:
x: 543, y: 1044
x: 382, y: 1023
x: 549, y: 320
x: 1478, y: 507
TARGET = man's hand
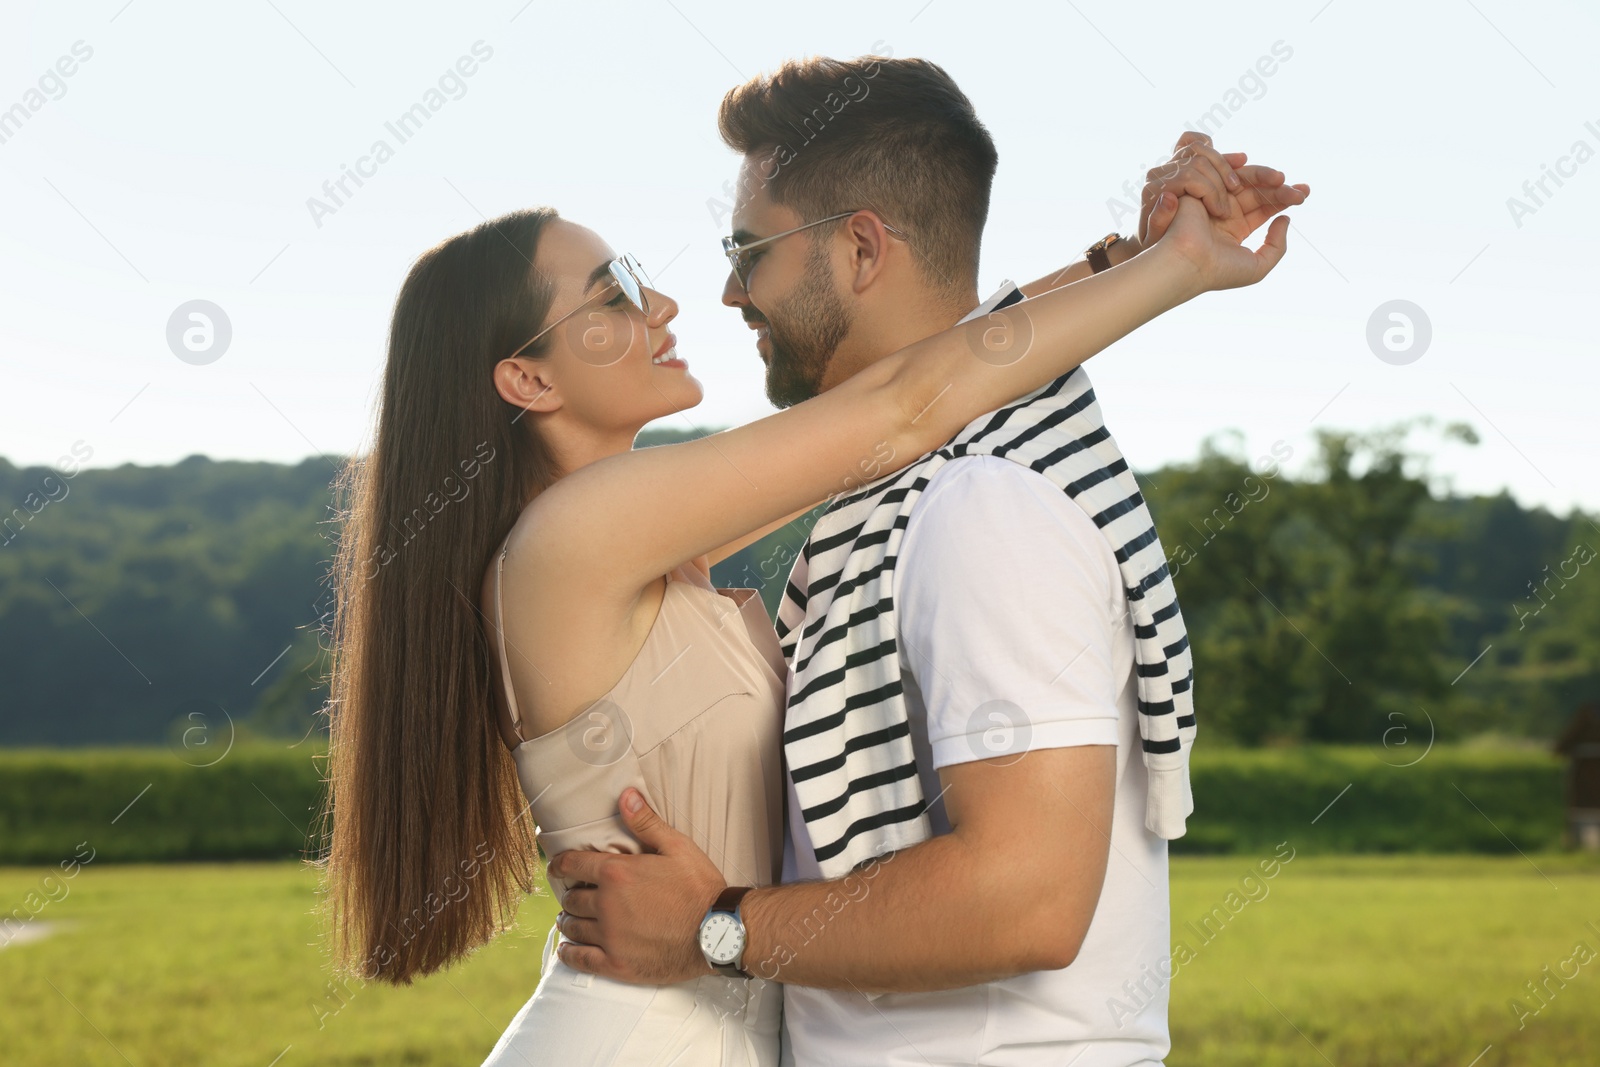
x: 1197, y: 169
x: 638, y: 917
x: 1213, y: 242
x: 1243, y: 197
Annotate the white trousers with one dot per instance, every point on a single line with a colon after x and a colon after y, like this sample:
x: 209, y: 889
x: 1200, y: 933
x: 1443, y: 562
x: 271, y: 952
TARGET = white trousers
x: 575, y: 1018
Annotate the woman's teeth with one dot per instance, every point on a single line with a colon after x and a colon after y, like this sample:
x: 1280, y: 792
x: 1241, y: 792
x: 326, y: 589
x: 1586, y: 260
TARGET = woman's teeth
x: 671, y: 353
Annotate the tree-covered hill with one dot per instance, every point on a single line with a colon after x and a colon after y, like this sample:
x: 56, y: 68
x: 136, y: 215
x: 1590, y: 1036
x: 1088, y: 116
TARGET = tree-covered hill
x: 1354, y: 600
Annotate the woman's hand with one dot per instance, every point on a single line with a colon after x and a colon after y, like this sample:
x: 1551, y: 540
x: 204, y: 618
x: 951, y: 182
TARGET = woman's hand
x: 1197, y: 169
x: 1212, y: 246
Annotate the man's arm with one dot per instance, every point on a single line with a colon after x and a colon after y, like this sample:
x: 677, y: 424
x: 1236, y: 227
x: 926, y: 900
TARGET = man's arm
x: 1118, y: 253
x: 1011, y: 889
x: 717, y: 555
x: 1014, y: 884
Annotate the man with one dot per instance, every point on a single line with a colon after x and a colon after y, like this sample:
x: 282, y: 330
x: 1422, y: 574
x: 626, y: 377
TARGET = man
x: 975, y: 862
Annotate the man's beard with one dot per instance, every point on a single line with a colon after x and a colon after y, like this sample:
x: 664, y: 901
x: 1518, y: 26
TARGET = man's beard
x: 804, y: 332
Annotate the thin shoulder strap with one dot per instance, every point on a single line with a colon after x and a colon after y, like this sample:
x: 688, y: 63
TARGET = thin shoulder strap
x: 500, y: 636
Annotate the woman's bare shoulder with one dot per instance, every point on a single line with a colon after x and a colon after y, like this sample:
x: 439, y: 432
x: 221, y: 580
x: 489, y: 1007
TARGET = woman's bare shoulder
x: 568, y: 634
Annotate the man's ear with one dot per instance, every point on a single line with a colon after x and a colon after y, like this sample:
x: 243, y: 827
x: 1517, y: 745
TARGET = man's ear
x: 869, y: 244
x: 527, y: 383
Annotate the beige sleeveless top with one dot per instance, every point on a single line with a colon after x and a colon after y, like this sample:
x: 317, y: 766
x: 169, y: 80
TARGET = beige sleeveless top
x: 694, y: 724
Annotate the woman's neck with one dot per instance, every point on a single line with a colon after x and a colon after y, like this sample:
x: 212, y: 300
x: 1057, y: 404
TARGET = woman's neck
x: 575, y: 448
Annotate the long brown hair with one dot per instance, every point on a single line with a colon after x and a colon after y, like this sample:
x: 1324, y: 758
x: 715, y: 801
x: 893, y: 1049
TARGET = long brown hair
x: 429, y: 845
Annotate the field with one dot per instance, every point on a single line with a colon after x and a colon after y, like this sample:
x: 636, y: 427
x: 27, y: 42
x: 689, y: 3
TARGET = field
x: 1365, y: 961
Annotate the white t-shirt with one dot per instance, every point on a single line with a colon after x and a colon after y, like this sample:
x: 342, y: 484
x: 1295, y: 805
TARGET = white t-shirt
x: 1006, y: 591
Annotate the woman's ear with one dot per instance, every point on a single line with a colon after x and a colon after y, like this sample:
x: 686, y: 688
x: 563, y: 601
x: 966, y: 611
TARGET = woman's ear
x: 527, y: 383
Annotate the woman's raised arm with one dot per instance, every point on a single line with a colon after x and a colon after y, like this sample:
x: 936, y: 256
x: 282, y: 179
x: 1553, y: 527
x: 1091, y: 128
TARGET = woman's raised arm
x: 624, y: 520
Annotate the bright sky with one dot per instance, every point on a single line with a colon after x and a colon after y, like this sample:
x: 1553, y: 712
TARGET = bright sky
x: 174, y: 163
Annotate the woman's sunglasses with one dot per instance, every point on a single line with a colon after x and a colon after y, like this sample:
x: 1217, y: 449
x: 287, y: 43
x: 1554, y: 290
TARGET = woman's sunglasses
x: 625, y: 272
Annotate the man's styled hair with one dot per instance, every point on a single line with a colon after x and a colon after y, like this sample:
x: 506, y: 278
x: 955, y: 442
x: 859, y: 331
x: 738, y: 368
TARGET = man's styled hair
x: 893, y: 135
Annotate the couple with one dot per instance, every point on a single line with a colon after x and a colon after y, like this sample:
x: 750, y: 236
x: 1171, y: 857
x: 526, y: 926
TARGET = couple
x: 908, y: 824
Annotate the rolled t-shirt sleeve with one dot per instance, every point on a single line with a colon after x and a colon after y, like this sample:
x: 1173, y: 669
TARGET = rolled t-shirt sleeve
x: 1011, y: 614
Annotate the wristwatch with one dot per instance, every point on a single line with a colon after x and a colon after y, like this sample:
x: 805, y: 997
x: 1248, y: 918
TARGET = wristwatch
x: 1099, y: 260
x: 722, y: 933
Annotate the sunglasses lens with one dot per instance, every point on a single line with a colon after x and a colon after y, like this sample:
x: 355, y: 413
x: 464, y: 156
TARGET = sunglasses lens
x: 638, y: 271
x: 735, y: 259
x: 623, y: 271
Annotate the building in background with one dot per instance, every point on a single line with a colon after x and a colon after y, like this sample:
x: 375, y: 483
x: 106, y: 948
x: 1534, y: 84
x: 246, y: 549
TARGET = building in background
x: 1580, y: 743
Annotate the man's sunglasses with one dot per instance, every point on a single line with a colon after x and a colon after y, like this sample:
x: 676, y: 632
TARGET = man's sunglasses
x: 625, y: 272
x: 739, y: 254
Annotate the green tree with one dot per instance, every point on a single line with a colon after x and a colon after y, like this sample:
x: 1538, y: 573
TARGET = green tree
x: 1302, y: 598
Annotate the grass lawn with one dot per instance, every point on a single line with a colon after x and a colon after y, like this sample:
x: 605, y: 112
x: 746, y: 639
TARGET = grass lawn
x: 1364, y: 961
x: 1373, y: 961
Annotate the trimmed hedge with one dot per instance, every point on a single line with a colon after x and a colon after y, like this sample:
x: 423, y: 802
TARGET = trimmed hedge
x: 256, y: 802
x: 259, y: 801
x: 1452, y: 799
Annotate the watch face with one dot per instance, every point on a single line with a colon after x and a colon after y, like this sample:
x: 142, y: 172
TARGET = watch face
x: 721, y: 937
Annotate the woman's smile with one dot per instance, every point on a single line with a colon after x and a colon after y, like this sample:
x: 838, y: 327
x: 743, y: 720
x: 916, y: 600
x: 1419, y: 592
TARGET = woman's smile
x: 667, y: 355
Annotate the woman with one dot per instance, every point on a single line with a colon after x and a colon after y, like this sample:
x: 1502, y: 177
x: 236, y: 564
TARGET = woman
x: 513, y: 576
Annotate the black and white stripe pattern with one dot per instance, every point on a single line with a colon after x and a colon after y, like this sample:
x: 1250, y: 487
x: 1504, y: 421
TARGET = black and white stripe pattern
x: 847, y: 739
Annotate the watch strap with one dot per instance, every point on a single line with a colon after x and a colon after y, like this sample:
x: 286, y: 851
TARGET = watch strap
x: 728, y: 901
x: 1099, y: 258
